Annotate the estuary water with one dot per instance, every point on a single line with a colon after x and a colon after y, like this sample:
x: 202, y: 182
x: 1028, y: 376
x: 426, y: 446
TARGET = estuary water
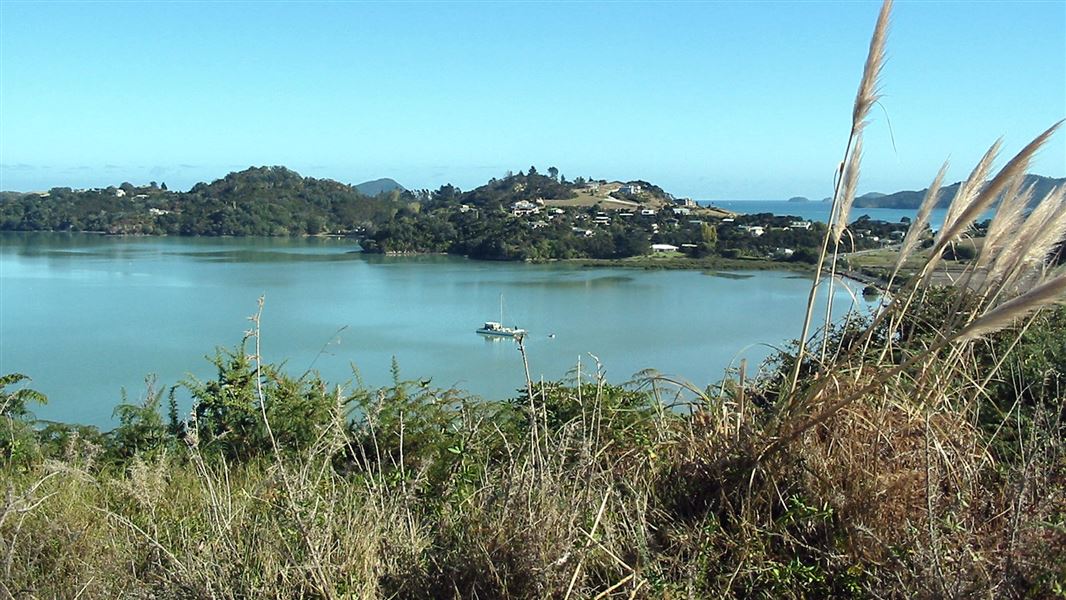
x: 87, y: 316
x: 819, y: 211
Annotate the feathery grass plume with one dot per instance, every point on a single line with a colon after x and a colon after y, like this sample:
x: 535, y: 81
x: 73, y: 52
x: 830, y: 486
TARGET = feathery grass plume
x: 869, y: 90
x: 1033, y: 240
x: 1015, y: 167
x: 1039, y: 239
x: 1053, y: 229
x: 1009, y: 216
x: 850, y: 184
x: 910, y: 241
x: 1051, y: 291
x: 969, y: 187
x: 866, y: 96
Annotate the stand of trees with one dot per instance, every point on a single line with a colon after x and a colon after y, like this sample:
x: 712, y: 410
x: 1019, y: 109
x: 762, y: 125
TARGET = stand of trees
x: 271, y: 201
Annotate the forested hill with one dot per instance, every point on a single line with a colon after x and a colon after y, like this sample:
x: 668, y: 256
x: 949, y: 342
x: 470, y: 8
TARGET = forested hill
x: 552, y: 188
x: 257, y: 201
x: 912, y: 199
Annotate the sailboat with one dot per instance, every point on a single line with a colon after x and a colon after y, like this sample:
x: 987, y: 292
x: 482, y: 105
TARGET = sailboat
x: 497, y: 328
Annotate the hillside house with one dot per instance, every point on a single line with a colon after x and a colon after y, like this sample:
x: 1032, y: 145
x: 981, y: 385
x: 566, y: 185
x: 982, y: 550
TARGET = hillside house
x: 800, y: 225
x: 630, y: 190
x: 755, y: 230
x: 663, y: 248
x: 523, y: 208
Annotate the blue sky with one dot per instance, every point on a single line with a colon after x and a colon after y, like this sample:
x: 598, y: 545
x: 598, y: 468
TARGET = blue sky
x: 713, y: 100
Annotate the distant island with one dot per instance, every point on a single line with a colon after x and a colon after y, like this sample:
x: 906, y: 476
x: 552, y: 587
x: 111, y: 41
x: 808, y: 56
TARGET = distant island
x: 379, y: 186
x: 799, y: 199
x: 913, y: 199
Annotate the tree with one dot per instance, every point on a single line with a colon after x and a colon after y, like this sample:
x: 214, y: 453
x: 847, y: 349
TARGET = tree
x: 708, y: 236
x: 553, y: 173
x: 17, y: 442
x: 532, y: 171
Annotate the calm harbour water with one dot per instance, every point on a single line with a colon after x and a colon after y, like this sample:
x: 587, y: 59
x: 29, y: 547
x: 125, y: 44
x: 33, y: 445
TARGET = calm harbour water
x: 86, y: 316
x: 819, y: 211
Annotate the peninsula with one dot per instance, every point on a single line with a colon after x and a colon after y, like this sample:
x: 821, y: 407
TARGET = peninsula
x: 525, y: 215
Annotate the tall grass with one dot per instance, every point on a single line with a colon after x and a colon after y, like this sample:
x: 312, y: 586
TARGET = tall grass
x: 919, y: 454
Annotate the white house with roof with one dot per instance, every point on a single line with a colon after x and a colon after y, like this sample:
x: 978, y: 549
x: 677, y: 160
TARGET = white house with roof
x: 524, y: 207
x: 800, y: 225
x: 663, y: 248
x: 755, y: 230
x: 630, y: 189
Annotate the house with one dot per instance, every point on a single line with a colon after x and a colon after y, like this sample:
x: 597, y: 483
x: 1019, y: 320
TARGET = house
x: 464, y: 208
x: 729, y: 220
x: 663, y: 248
x: 800, y: 225
x: 602, y: 220
x: 647, y: 212
x: 630, y: 190
x: 755, y: 230
x: 682, y: 211
x: 120, y: 193
x: 524, y: 207
x: 582, y: 232
x: 538, y: 224
x: 689, y: 202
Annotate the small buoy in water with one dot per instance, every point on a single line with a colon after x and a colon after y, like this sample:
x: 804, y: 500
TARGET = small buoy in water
x: 551, y: 335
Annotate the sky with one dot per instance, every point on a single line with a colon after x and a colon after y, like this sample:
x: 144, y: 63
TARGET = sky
x: 711, y: 100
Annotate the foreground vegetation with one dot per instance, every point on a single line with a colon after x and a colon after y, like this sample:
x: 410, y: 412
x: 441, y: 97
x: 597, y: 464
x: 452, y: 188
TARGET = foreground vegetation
x: 898, y: 466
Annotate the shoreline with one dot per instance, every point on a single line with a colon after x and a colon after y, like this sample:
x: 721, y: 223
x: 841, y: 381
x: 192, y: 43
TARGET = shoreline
x: 645, y: 262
